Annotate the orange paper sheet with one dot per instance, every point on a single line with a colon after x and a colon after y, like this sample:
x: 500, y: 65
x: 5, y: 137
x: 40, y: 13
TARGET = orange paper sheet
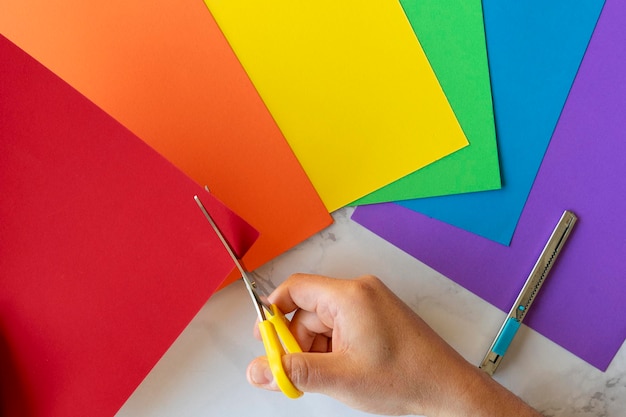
x: 165, y: 71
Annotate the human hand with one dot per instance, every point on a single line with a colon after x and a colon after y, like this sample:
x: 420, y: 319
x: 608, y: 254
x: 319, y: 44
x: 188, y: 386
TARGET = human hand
x: 365, y: 347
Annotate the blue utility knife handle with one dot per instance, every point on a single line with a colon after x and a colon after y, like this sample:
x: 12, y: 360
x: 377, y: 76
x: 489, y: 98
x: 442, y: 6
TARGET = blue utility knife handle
x: 501, y: 345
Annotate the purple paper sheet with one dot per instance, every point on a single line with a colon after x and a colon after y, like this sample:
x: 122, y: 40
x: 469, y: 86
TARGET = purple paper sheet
x: 582, y: 305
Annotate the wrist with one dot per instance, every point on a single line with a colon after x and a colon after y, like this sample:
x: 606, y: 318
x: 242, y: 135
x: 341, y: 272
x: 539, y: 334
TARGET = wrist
x: 476, y: 394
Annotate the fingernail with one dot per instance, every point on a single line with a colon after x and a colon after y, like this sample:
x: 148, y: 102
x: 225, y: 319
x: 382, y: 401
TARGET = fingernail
x: 260, y: 373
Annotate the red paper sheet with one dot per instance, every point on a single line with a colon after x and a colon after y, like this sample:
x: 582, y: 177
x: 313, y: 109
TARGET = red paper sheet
x: 104, y: 255
x: 165, y: 71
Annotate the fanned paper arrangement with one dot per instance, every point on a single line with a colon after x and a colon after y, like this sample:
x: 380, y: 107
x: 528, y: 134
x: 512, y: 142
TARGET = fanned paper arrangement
x: 461, y: 129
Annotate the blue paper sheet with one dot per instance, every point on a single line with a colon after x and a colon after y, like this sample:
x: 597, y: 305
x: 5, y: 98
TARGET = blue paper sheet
x: 534, y: 49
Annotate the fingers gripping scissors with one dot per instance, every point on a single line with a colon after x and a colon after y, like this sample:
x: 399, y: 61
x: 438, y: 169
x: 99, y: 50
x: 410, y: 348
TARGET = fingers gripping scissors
x: 273, y: 326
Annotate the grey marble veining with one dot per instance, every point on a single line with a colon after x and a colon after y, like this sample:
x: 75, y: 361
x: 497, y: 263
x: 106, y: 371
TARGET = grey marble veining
x: 203, y: 373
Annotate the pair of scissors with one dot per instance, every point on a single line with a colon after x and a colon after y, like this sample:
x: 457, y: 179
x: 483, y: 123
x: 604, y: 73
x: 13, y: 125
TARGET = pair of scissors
x: 273, y: 325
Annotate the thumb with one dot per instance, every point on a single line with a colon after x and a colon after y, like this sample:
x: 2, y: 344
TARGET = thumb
x: 260, y: 375
x: 312, y: 372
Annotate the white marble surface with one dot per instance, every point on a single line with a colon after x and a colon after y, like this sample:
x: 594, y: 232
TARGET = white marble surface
x: 203, y: 373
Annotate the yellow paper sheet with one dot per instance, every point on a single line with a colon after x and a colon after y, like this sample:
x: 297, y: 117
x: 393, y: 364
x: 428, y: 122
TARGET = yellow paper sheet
x: 349, y: 86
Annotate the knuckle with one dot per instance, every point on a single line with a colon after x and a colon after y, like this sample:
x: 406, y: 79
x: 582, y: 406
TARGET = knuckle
x: 371, y: 281
x: 297, y: 276
x: 297, y: 370
x: 367, y: 286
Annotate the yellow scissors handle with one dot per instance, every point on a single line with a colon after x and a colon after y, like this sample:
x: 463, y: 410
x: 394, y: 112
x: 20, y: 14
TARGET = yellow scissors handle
x: 273, y: 330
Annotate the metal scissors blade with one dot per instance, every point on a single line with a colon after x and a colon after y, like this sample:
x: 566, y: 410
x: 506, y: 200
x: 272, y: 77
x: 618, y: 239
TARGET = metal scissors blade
x: 259, y: 304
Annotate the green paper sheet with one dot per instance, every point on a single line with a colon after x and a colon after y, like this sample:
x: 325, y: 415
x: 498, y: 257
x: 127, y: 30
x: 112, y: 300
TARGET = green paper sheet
x: 453, y: 36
